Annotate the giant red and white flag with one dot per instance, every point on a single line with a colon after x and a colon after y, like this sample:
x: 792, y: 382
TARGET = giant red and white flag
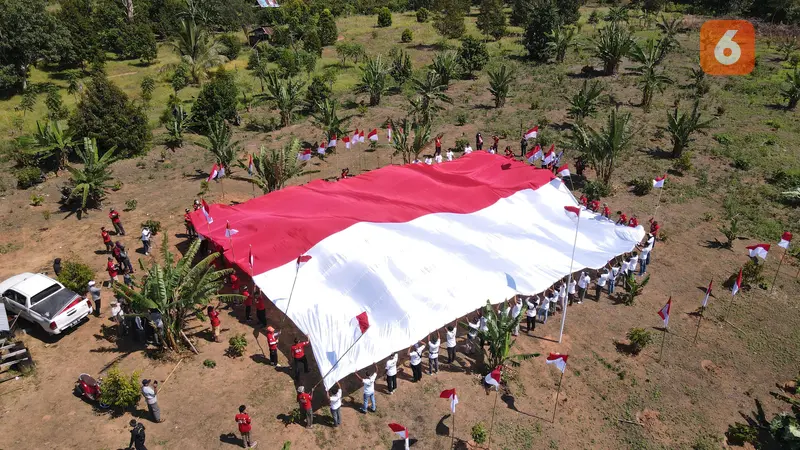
x: 658, y: 182
x: 786, y: 238
x: 664, y: 312
x: 708, y: 293
x: 373, y: 135
x: 213, y: 174
x: 450, y: 394
x: 534, y: 154
x: 737, y: 285
x: 333, y: 141
x: 563, y: 171
x: 532, y: 133
x: 493, y: 377
x: 399, y: 430
x: 364, y: 240
x: 758, y: 250
x: 346, y: 140
x: 206, y: 211
x: 559, y: 360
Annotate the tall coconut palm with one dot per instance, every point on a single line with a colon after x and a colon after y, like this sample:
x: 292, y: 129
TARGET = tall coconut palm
x: 197, y: 48
x: 612, y: 44
x: 52, y: 142
x: 406, y: 145
x: 90, y: 182
x: 499, y: 338
x: 373, y: 80
x: 584, y: 103
x: 790, y: 91
x: 178, y: 290
x: 284, y: 93
x: 221, y: 144
x: 274, y: 168
x: 500, y: 81
x: 447, y: 65
x: 603, y: 148
x: 560, y: 40
x: 681, y: 126
x: 651, y: 79
x: 327, y: 119
x: 430, y: 92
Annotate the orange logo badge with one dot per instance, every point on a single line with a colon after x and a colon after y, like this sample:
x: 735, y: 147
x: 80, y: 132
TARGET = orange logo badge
x: 727, y: 47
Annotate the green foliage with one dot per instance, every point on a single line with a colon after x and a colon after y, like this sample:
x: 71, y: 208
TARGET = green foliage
x: 740, y: 433
x: 633, y: 288
x: 422, y: 15
x: 318, y: 90
x: 28, y: 37
x: 238, y: 345
x: 790, y: 91
x: 326, y: 118
x: 153, y: 225
x: 50, y: 144
x: 500, y: 81
x: 639, y: 338
x: 461, y: 119
x: 75, y: 276
x: 148, y: 86
x: 406, y: 145
x: 699, y: 84
x: 568, y: 10
x: 130, y: 204
x: 28, y: 176
x: 472, y: 55
x: 681, y: 126
x: 177, y: 125
x: 786, y: 47
x: 209, y: 363
x: 447, y: 66
x: 106, y: 114
x: 499, y: 338
x: 584, y: 103
x: 119, y: 390
x: 520, y: 12
x: 642, y: 186
x: 430, y: 93
x: 217, y: 100
x: 407, y: 36
x: 448, y: 20
x: 479, y: 433
x: 651, y: 80
x: 559, y: 41
x: 594, y: 17
x: 273, y: 169
x: 37, y: 199
x: 595, y: 190
x: 284, y: 93
x: 730, y: 231
x: 326, y: 28
x: 538, y: 27
x: 752, y: 274
x: 55, y: 104
x: 137, y: 41
x: 683, y: 163
x: 312, y: 44
x: 492, y: 19
x: 349, y: 50
x: 401, y: 69
x: 603, y: 148
x: 221, y: 145
x: 91, y: 181
x: 197, y: 48
x: 231, y: 46
x: 384, y: 17
x: 181, y: 77
x: 613, y: 43
x: 373, y: 80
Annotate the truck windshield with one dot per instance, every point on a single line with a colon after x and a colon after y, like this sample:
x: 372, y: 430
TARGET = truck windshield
x: 44, y: 294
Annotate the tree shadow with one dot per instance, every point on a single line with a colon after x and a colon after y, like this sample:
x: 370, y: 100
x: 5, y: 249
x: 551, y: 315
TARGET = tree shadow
x: 776, y: 107
x: 625, y: 348
x: 758, y: 421
x: 587, y: 72
x: 400, y: 444
x: 424, y: 47
x: 441, y: 428
x: 658, y: 153
x: 715, y: 244
x: 231, y: 438
x: 563, y: 126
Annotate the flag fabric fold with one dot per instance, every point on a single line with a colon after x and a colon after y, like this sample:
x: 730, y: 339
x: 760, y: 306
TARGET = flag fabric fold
x: 362, y: 323
x: 450, y: 394
x: 532, y: 133
x: 786, y: 238
x: 302, y: 260
x: 708, y: 293
x: 373, y: 135
x: 550, y: 156
x: 213, y: 174
x: 664, y: 312
x: 534, y: 154
x: 206, y: 211
x: 558, y: 360
x: 493, y: 377
x: 658, y: 182
x: 229, y: 232
x: 758, y: 250
x: 563, y: 171
x: 399, y: 430
x: 361, y: 136
x: 251, y: 260
x: 738, y: 284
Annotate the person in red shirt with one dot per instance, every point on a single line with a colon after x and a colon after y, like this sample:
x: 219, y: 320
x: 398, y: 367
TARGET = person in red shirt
x: 261, y: 309
x: 115, y: 220
x: 299, y: 355
x: 654, y: 227
x: 106, y: 239
x: 213, y: 315
x: 606, y: 211
x: 496, y: 143
x: 304, y: 400
x: 111, y: 268
x: 478, y: 142
x: 634, y: 222
x: 583, y: 200
x: 438, y: 145
x: 623, y: 219
x: 248, y: 304
x: 234, y: 283
x: 594, y: 205
x: 243, y: 420
x: 187, y: 222
x: 272, y: 342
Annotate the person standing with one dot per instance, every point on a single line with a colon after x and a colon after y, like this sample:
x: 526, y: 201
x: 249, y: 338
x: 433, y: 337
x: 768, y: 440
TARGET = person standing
x: 369, y: 389
x: 299, y: 355
x: 606, y: 211
x: 111, y: 268
x: 433, y: 353
x: 600, y: 284
x: 138, y: 328
x: 272, y: 343
x: 633, y: 263
x: 415, y: 356
x: 450, y: 342
x: 634, y: 222
x: 304, y: 400
x: 523, y: 145
x: 57, y: 266
x: 125, y: 259
x: 391, y: 374
x: 187, y: 222
x: 516, y: 309
x: 243, y: 420
x: 612, y: 279
x: 213, y: 315
x: 116, y: 221
x: 150, y: 396
x: 583, y: 286
x: 94, y: 293
x: 116, y: 316
x: 248, y: 304
x: 472, y: 333
x: 654, y: 227
x: 261, y: 309
x: 106, y: 239
x: 438, y: 146
x: 449, y: 154
x: 234, y: 283
x: 644, y: 258
x: 573, y: 284
x: 158, y: 326
x: 530, y: 314
x: 478, y: 142
x: 146, y: 233
x: 495, y: 144
x: 137, y: 436
x: 335, y: 399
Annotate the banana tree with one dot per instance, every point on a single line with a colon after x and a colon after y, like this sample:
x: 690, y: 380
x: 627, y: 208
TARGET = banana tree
x: 274, y: 168
x: 498, y: 336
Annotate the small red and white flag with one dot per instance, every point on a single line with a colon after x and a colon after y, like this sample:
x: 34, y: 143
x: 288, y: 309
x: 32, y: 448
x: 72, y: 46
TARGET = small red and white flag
x: 213, y: 174
x: 708, y: 293
x: 302, y: 259
x: 399, y: 430
x: 563, y: 171
x: 758, y: 250
x: 229, y: 232
x: 664, y: 313
x: 659, y: 181
x: 373, y: 135
x: 250, y: 166
x: 355, y: 136
x: 361, y: 323
x: 332, y: 142
x: 361, y: 136
x: 573, y: 210
x: 737, y: 285
x: 493, y: 377
x: 206, y: 211
x: 251, y: 260
x: 389, y: 131
x: 304, y: 155
x: 550, y: 156
x: 534, y: 154
x: 451, y: 394
x: 346, y: 141
x: 786, y: 238
x: 532, y: 133
x: 559, y: 360
x: 322, y: 147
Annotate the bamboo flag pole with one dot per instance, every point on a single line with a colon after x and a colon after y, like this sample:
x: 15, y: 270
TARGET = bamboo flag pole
x: 699, y: 319
x: 340, y: 358
x: 777, y: 271
x: 453, y: 434
x: 569, y: 280
x: 663, y: 339
x: 555, y: 406
x: 491, y: 426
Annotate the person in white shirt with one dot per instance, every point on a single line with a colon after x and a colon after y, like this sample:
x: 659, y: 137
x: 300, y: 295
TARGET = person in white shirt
x: 450, y: 342
x: 643, y: 257
x: 449, y: 154
x: 562, y: 296
x: 433, y: 353
x: 438, y: 159
x: 146, y: 233
x: 416, y: 161
x: 335, y: 398
x: 530, y: 315
x: 484, y: 327
x: 600, y: 284
x: 583, y: 286
x: 415, y: 355
x: 572, y: 291
x: 428, y: 161
x: 467, y: 149
x: 516, y: 309
x: 391, y: 374
x: 472, y: 334
x: 651, y: 241
x: 633, y: 263
x: 623, y: 271
x: 369, y: 389
x: 612, y: 280
x: 552, y: 303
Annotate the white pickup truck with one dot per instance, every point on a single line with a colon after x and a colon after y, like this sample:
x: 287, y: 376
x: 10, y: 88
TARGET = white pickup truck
x: 44, y: 301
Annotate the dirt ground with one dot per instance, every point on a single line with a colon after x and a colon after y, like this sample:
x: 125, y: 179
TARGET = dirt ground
x: 608, y: 400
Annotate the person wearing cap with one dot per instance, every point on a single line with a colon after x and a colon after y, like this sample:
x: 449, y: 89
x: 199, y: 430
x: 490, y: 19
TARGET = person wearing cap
x: 243, y: 420
x: 106, y: 239
x: 261, y: 310
x: 304, y: 400
x: 248, y: 304
x: 187, y: 222
x: 272, y: 343
x: 116, y: 221
x: 213, y: 315
x: 146, y: 233
x: 137, y: 435
x: 149, y: 393
x: 299, y: 355
x: 94, y: 293
x: 335, y: 398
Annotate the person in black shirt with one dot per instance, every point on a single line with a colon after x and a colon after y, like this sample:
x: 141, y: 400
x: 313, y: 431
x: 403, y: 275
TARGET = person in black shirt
x: 137, y: 436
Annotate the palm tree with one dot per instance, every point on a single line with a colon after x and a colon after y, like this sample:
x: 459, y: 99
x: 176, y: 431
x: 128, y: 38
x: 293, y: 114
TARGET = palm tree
x: 51, y: 141
x: 90, y: 182
x: 220, y: 144
x: 373, y: 80
x: 430, y: 91
x: 670, y: 27
x: 584, y: 103
x: 560, y: 40
x: 602, y: 149
x: 616, y: 15
x: 611, y: 45
x: 326, y: 118
x: 786, y: 47
x: 681, y: 126
x: 447, y: 66
x: 633, y: 288
x: 197, y: 48
x: 406, y: 145
x: 791, y: 90
x: 650, y: 79
x: 500, y: 81
x: 699, y: 84
x: 273, y: 169
x: 180, y: 122
x: 499, y: 337
x: 178, y: 290
x: 284, y: 93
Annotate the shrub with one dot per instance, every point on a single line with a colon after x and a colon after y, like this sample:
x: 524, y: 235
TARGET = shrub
x: 752, y: 274
x: 461, y: 144
x: 181, y: 77
x: 362, y: 110
x: 422, y: 15
x: 28, y: 176
x: 407, y: 36
x: 46, y: 214
x: 130, y: 204
x: 683, y: 163
x: 642, y: 186
x: 75, y: 276
x: 640, y: 338
x: 217, y: 100
x: 479, y: 433
x: 740, y: 433
x: 116, y: 186
x: 209, y: 363
x: 731, y: 232
x: 384, y: 17
x: 595, y: 190
x: 120, y: 391
x: 742, y: 161
x: 37, y: 199
x: 154, y: 225
x: 232, y: 46
x: 296, y: 416
x: 461, y: 119
x: 238, y: 344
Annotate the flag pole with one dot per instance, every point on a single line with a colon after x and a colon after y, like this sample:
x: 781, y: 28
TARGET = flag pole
x: 491, y: 426
x: 340, y: 358
x: 222, y: 186
x: 699, y: 319
x: 289, y: 302
x: 777, y: 271
x: 453, y: 434
x: 658, y: 202
x: 569, y: 280
x: 555, y: 406
x: 663, y: 339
